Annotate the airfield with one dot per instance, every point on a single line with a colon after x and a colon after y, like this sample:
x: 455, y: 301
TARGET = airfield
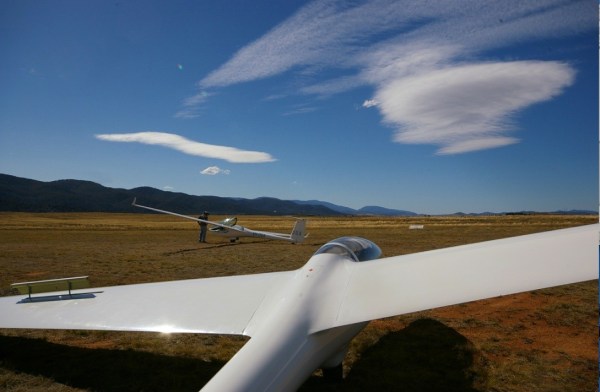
x: 537, y: 341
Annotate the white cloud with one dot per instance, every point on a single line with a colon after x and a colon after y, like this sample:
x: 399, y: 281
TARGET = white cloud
x: 192, y: 104
x: 297, y: 41
x: 188, y: 113
x: 391, y: 44
x: 214, y: 170
x: 468, y: 108
x: 323, y: 30
x: 369, y: 103
x: 476, y: 144
x: 190, y: 147
x: 334, y: 86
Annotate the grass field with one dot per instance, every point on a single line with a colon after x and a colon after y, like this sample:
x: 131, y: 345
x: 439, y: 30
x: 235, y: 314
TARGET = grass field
x: 538, y: 341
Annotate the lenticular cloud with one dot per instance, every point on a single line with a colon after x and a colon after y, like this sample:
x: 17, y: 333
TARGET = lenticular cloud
x: 190, y: 147
x: 468, y: 108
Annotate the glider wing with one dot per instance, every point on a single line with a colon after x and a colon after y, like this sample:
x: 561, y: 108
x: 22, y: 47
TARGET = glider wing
x: 403, y: 284
x: 218, y: 224
x: 222, y: 305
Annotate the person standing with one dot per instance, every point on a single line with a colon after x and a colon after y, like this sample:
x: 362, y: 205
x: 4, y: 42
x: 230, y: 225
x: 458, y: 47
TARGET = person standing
x: 203, y: 225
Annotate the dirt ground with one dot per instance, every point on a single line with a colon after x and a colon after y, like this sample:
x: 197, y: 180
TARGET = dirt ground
x: 536, y: 341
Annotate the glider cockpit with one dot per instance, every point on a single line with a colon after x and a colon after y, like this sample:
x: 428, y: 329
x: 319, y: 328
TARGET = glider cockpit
x: 227, y: 222
x: 355, y: 248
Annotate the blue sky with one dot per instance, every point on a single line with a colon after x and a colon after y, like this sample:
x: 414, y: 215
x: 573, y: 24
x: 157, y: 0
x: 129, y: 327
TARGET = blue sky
x: 429, y: 106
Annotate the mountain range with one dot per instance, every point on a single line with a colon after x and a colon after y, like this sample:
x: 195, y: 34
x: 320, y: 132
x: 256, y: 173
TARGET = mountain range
x: 22, y: 194
x: 25, y: 195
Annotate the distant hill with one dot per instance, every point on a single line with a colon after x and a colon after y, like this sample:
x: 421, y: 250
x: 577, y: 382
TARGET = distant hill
x: 375, y: 210
x: 331, y: 206
x: 368, y: 210
x: 20, y: 194
x: 570, y: 212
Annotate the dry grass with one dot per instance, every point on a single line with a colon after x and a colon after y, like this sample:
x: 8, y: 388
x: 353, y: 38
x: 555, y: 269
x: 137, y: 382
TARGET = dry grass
x: 538, y: 341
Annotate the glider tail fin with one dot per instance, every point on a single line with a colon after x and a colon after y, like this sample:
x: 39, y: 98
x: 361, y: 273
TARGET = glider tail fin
x: 298, y: 232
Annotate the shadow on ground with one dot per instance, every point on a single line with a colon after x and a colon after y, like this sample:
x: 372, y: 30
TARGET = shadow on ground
x: 425, y: 356
x: 102, y: 369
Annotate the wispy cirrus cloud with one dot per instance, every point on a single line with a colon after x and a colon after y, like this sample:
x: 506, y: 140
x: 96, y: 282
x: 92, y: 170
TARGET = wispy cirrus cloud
x: 391, y: 44
x: 192, y: 104
x: 186, y: 146
x: 301, y: 109
x: 214, y: 170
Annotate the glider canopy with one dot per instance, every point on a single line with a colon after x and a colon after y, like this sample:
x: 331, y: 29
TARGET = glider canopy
x: 355, y: 248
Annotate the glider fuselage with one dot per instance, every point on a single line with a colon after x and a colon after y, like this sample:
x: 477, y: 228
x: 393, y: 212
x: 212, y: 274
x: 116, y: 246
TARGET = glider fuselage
x: 285, y: 348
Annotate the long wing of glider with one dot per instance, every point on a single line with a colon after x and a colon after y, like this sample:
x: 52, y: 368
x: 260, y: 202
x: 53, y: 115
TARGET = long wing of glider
x: 183, y: 216
x: 265, y: 234
x: 215, y: 305
x: 409, y: 283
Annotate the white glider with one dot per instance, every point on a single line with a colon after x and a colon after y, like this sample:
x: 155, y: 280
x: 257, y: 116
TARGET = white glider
x: 233, y: 231
x: 301, y: 320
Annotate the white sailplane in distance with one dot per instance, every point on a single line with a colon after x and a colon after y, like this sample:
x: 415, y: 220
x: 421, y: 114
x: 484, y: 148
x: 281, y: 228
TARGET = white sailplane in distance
x: 229, y: 229
x: 304, y: 319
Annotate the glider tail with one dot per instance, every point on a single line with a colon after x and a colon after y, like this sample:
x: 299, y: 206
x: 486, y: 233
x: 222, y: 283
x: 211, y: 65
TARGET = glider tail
x: 298, y: 232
